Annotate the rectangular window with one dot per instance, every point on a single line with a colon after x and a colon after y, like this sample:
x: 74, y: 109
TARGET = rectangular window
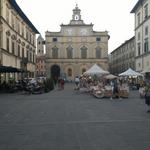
x: 23, y: 52
x: 146, y: 11
x: 98, y: 39
x: 146, y: 45
x: 7, y: 44
x: 12, y: 21
x: 43, y: 42
x: 83, y: 53
x: 146, y: 30
x: 13, y: 47
x: 19, y: 50
x: 139, y: 36
x: 54, y: 39
x: 138, y: 19
x: 30, y: 56
x: 27, y: 35
x: 7, y: 15
x: 18, y: 25
x: 139, y: 49
x: 22, y: 30
x: 33, y: 41
x: 33, y: 57
x: 30, y: 38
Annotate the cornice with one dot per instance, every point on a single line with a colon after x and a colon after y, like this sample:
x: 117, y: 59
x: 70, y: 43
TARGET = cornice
x: 16, y: 7
x: 2, y: 19
x: 141, y: 24
x: 143, y: 55
x: 76, y: 25
x: 140, y: 2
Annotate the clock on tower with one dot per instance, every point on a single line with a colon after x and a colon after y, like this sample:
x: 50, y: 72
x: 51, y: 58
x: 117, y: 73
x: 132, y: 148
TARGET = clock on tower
x: 76, y: 17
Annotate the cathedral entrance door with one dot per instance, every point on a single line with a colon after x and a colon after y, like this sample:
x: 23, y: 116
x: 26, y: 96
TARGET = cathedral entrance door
x: 55, y: 72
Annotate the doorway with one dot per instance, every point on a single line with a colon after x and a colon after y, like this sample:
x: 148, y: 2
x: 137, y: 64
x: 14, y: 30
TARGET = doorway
x: 55, y: 72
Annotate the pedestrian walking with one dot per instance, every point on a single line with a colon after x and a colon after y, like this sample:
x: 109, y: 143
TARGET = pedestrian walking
x: 77, y: 81
x: 115, y: 89
x: 59, y: 83
x: 62, y: 82
x: 112, y: 88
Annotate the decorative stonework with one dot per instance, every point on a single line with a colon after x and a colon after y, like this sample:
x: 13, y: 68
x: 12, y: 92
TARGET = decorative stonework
x: 23, y: 43
x: 13, y: 37
x: 12, y: 40
x: 19, y: 41
x: 76, y: 46
x: 8, y: 33
x: 27, y: 46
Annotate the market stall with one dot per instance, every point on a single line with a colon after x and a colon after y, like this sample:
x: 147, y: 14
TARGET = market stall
x: 132, y: 77
x: 130, y: 72
x: 96, y: 70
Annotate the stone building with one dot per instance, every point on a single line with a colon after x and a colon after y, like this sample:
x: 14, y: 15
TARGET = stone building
x: 123, y: 57
x: 40, y: 58
x: 17, y: 39
x: 75, y: 48
x: 142, y: 34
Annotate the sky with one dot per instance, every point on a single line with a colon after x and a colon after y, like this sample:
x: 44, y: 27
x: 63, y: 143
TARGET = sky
x: 107, y: 15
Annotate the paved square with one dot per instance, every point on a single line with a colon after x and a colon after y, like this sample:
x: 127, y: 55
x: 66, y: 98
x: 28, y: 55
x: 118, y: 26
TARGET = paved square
x: 67, y: 120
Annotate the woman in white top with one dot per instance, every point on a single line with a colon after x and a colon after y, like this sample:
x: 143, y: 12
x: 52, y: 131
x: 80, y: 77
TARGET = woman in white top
x: 77, y: 81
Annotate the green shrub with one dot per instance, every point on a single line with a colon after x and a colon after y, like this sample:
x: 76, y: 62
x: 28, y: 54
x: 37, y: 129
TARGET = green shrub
x: 48, y: 85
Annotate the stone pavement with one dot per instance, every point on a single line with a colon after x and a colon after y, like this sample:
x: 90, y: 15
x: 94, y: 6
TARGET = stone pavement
x: 68, y: 120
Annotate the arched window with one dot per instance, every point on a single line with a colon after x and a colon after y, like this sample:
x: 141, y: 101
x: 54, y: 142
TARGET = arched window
x: 98, y: 52
x: 55, y: 52
x: 83, y: 70
x: 69, y: 52
x: 69, y: 72
x: 83, y: 52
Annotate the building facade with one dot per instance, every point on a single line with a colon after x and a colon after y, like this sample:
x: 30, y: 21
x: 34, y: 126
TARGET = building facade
x: 75, y: 48
x: 17, y: 38
x: 123, y: 57
x: 142, y: 34
x: 40, y: 58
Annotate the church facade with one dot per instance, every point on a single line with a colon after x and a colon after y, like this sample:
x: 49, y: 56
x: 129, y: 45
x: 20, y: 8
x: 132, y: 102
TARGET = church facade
x: 75, y: 48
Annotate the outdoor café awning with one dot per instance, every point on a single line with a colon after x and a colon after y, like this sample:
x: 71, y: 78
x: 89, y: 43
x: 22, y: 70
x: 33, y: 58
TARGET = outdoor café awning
x: 9, y: 69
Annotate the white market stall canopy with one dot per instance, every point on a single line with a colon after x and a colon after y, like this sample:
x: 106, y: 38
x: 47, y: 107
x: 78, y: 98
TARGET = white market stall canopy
x: 96, y: 70
x: 130, y: 72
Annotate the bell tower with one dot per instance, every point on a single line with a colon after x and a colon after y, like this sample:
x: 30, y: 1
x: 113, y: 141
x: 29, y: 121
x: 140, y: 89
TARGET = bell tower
x: 76, y: 17
x: 76, y: 13
x: 40, y: 46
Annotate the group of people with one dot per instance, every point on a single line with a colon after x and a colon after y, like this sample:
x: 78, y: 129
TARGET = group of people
x: 61, y: 83
x: 113, y: 83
